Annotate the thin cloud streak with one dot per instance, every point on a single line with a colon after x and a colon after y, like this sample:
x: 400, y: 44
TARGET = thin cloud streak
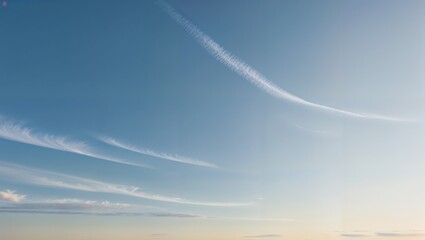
x: 392, y: 234
x: 256, y: 219
x: 18, y: 133
x: 17, y: 210
x: 83, y: 207
x: 249, y: 73
x: 400, y: 234
x: 56, y: 180
x: 353, y: 235
x: 67, y: 204
x: 148, y: 152
x: 128, y: 214
x: 264, y: 236
x: 158, y: 234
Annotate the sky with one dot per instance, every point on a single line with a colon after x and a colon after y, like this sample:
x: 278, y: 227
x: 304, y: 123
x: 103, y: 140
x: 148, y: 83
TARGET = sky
x: 189, y: 119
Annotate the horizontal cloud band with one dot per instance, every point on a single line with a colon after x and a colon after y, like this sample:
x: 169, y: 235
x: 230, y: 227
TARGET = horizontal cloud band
x: 81, y: 207
x: 56, y: 180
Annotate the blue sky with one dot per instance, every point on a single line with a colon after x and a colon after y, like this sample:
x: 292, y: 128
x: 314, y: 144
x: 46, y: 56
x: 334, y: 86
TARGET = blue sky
x: 245, y: 119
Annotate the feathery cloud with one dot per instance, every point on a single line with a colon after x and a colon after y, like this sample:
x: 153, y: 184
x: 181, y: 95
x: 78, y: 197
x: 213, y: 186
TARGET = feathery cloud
x: 148, y: 152
x: 249, y: 73
x: 16, y: 132
x: 10, y: 196
x: 56, y: 180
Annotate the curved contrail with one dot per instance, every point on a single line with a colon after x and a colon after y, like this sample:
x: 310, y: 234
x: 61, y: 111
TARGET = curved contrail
x: 248, y: 72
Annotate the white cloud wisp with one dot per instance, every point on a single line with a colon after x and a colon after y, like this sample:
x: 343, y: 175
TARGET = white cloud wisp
x: 56, y: 180
x: 249, y: 73
x: 85, y: 207
x: 16, y: 132
x: 148, y: 152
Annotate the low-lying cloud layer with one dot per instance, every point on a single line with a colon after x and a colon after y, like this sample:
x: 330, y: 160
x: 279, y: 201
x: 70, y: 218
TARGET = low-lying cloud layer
x: 264, y: 236
x: 401, y: 234
x: 84, y: 207
x: 354, y: 235
x: 394, y: 234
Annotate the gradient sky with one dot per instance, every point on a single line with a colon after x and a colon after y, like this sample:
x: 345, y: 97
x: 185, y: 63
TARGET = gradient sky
x: 126, y: 120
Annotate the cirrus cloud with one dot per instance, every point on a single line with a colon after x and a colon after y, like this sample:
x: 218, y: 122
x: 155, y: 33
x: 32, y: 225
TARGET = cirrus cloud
x: 56, y: 180
x: 86, y: 207
x: 17, y: 132
x: 152, y: 153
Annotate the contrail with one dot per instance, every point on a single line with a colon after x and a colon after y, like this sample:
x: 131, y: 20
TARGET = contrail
x: 62, y: 181
x: 148, y: 152
x: 18, y: 133
x: 248, y: 72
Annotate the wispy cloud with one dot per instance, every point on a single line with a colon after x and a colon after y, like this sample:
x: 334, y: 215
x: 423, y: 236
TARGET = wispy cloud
x: 265, y: 236
x: 173, y: 215
x: 56, y: 180
x: 148, y: 152
x: 255, y: 219
x: 16, y: 132
x: 10, y: 196
x: 401, y: 234
x: 249, y: 73
x: 360, y: 234
x: 354, y: 235
x: 158, y: 234
x: 67, y: 204
x: 84, y: 207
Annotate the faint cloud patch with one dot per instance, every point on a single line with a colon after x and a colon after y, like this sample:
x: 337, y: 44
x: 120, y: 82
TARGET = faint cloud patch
x: 354, y: 235
x: 401, y: 234
x: 10, y: 196
x: 264, y: 236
